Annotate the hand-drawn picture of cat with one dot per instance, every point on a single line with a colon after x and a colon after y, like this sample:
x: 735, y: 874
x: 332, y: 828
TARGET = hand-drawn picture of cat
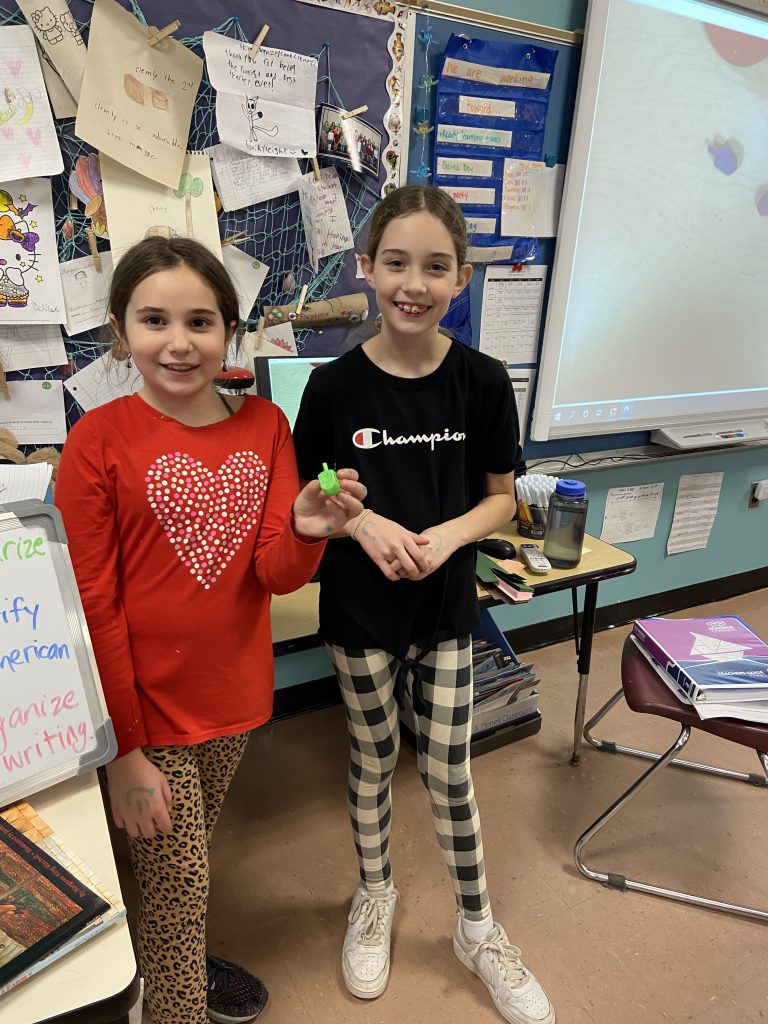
x: 47, y: 25
x: 253, y: 117
x: 18, y: 261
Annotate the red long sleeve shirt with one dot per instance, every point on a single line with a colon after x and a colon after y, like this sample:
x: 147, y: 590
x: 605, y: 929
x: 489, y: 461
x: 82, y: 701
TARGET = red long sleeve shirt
x: 178, y: 537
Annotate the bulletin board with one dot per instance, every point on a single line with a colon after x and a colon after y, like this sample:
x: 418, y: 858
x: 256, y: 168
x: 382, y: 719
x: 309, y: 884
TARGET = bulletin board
x: 355, y: 67
x: 428, y: 37
x: 53, y: 719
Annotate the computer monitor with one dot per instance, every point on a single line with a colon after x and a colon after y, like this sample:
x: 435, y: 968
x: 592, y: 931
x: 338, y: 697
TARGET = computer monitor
x: 282, y: 379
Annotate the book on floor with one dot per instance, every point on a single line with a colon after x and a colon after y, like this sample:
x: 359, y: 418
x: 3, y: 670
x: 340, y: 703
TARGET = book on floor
x: 710, y: 659
x: 486, y: 720
x: 54, y: 901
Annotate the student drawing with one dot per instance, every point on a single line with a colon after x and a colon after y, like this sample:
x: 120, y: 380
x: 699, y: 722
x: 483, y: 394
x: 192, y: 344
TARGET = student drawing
x: 431, y: 425
x: 253, y: 116
x: 47, y: 25
x: 85, y: 183
x: 183, y: 513
x: 18, y: 256
x: 189, y: 188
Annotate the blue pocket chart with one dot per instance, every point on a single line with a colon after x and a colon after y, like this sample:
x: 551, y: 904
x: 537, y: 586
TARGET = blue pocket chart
x: 492, y: 104
x: 53, y: 718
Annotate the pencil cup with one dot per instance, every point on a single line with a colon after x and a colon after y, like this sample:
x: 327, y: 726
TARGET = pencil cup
x: 530, y: 520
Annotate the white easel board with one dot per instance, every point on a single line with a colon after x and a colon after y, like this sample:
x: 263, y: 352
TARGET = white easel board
x: 53, y: 717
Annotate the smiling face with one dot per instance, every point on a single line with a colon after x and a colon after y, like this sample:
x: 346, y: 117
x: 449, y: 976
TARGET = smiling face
x: 415, y: 273
x: 176, y: 335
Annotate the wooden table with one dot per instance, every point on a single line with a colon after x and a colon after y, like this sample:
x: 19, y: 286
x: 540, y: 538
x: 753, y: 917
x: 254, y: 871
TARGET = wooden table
x: 295, y: 616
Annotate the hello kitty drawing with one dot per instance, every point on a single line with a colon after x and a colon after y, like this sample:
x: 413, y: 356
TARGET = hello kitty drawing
x: 18, y: 252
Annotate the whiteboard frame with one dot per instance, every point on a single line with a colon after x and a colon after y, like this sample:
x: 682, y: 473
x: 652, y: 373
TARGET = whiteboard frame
x: 542, y: 427
x: 39, y: 515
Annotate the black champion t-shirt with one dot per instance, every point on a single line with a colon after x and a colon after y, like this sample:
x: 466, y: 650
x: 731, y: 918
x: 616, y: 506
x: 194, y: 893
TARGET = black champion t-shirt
x: 422, y: 447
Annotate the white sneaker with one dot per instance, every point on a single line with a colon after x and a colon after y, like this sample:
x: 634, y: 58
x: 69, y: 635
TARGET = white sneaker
x: 518, y: 997
x: 365, y: 956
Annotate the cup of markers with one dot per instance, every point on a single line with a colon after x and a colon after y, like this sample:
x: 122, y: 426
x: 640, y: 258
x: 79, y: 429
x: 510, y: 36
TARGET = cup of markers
x: 533, y: 492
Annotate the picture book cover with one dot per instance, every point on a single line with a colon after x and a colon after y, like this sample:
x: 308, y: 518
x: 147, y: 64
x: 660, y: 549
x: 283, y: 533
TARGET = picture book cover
x: 41, y: 904
x: 717, y: 658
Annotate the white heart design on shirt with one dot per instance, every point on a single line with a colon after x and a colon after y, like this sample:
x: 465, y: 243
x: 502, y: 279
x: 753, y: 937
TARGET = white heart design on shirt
x: 206, y: 516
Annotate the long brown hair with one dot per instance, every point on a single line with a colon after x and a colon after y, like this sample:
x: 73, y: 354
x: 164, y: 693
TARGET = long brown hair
x: 155, y: 254
x: 411, y: 199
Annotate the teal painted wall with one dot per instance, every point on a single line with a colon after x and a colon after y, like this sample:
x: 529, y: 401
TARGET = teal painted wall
x: 567, y: 14
x: 739, y: 538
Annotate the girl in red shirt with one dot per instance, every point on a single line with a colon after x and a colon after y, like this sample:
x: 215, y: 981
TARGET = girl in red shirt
x: 183, y: 514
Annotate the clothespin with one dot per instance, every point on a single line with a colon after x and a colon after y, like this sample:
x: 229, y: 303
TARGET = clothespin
x: 94, y: 250
x: 550, y: 159
x: 167, y: 31
x: 4, y: 383
x: 302, y: 296
x: 352, y: 113
x: 236, y: 239
x: 72, y: 201
x: 316, y: 168
x: 258, y: 41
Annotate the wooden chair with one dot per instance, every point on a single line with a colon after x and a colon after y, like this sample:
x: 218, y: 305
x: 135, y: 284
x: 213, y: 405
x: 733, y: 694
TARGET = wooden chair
x: 646, y: 693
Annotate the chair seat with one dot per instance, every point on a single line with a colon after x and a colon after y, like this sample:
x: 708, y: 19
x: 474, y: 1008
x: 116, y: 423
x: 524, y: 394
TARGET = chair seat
x: 647, y: 693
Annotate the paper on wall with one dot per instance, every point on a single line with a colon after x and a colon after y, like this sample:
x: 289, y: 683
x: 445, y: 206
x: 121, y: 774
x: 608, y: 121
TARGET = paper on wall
x: 30, y: 283
x: 512, y: 301
x: 30, y: 147
x: 138, y: 208
x: 530, y: 198
x: 522, y: 387
x: 26, y: 482
x: 60, y: 37
x: 242, y: 180
x: 86, y: 292
x: 488, y: 253
x: 631, y: 513
x: 265, y: 104
x: 698, y: 495
x: 136, y: 100
x: 34, y: 412
x: 23, y: 347
x: 101, y: 381
x: 248, y: 275
x: 325, y: 217
x: 62, y: 100
x: 275, y: 341
x: 471, y: 71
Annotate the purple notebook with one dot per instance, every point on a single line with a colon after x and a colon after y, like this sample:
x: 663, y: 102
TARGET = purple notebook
x: 717, y: 658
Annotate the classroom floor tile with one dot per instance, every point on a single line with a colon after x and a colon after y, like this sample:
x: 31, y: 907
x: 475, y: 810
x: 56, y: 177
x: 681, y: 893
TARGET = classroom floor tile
x: 284, y: 869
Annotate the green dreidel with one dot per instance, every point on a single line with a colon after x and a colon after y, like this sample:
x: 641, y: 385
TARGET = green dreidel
x: 329, y: 482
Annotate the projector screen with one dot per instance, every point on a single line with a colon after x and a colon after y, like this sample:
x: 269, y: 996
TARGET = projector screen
x: 658, y: 311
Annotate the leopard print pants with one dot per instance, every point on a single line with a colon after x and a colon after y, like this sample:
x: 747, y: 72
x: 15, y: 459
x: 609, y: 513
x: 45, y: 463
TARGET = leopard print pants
x: 172, y: 872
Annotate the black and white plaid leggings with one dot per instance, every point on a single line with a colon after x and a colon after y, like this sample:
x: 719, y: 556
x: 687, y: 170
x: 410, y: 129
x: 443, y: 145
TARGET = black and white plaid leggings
x: 442, y: 720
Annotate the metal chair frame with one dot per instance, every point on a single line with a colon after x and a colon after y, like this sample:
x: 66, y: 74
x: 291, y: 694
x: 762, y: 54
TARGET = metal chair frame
x: 616, y: 881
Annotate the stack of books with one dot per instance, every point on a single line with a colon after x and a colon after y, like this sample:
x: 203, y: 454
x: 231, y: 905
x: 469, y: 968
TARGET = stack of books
x: 505, y: 688
x: 50, y: 902
x: 717, y: 665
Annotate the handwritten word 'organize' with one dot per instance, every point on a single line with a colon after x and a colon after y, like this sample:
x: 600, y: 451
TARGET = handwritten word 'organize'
x: 37, y: 710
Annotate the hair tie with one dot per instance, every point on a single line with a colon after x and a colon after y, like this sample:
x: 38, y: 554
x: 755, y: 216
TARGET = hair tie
x: 358, y: 521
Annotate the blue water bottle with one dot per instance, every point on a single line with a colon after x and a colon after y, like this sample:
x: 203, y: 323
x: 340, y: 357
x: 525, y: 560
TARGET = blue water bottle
x: 566, y: 521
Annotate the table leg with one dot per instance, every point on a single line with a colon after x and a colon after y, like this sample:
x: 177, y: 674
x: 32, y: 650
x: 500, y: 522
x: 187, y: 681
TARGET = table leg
x: 584, y: 661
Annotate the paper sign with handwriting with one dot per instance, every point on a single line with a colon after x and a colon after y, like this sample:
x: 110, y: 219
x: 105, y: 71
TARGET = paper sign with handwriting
x: 248, y: 275
x: 22, y: 346
x: 470, y: 196
x: 488, y: 254
x: 530, y: 198
x: 265, y: 104
x: 464, y: 167
x: 324, y: 212
x: 101, y: 381
x: 28, y: 139
x: 60, y: 38
x: 242, y: 180
x: 139, y: 208
x: 35, y: 411
x: 85, y: 292
x: 44, y: 713
x: 472, y: 72
x: 486, y: 106
x: 481, y: 225
x: 30, y: 283
x: 464, y: 135
x: 136, y: 100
